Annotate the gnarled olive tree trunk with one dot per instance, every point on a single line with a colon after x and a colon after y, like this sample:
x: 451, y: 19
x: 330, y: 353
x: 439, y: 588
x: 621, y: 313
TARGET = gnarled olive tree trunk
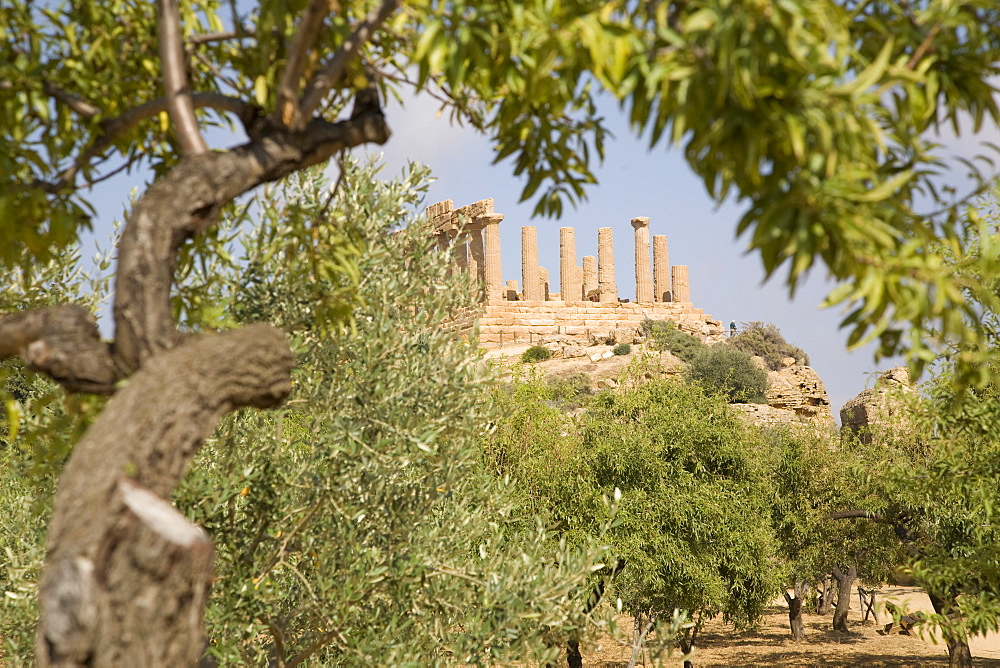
x: 795, y: 600
x: 959, y: 654
x: 126, y: 577
x: 845, y: 581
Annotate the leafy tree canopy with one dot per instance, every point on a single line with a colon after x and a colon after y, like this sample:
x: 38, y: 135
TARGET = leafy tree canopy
x: 815, y: 114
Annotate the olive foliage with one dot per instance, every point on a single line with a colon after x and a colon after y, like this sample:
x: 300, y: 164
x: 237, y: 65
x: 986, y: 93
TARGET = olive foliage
x: 692, y: 484
x: 356, y: 525
x: 819, y: 116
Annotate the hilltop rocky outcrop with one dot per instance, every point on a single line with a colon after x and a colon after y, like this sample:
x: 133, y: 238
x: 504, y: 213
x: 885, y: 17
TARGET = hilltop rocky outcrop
x: 796, y: 394
x: 881, y: 405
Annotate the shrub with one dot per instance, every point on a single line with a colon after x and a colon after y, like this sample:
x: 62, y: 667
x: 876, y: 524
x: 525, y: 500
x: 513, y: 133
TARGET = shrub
x: 568, y: 389
x: 765, y: 340
x: 622, y: 349
x: 536, y: 354
x: 730, y: 372
x: 664, y: 335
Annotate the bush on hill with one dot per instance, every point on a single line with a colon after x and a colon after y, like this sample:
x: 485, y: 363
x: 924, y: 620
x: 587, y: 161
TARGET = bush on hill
x: 664, y: 335
x: 731, y: 372
x: 536, y: 354
x: 765, y: 340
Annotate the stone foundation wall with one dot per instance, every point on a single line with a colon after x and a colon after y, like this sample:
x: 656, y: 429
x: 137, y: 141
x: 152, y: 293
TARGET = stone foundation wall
x: 510, y: 322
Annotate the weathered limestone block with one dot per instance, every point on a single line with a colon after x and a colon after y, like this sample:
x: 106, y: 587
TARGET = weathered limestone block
x: 882, y: 406
x: 543, y: 282
x: 460, y: 249
x: 512, y: 292
x: 445, y: 218
x: 477, y: 260
x: 569, y: 289
x: 763, y: 415
x: 555, y: 348
x: 435, y: 210
x: 579, y: 295
x: 643, y: 271
x: 801, y: 390
x: 590, y: 285
x: 608, y: 289
x: 530, y: 276
x: 661, y: 269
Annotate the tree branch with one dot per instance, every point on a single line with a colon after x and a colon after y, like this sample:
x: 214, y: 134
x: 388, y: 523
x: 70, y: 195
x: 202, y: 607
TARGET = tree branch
x: 863, y: 514
x: 288, y: 88
x: 188, y: 200
x: 175, y: 80
x: 63, y: 342
x: 332, y: 72
x: 77, y: 104
x: 116, y: 127
x: 205, y: 38
x: 925, y: 45
x: 111, y: 539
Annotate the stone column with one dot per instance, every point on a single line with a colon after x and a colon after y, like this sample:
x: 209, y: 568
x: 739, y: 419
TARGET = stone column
x: 443, y: 241
x: 491, y: 263
x: 681, y: 286
x: 569, y: 285
x: 529, y: 264
x: 661, y: 269
x: 460, y: 249
x: 643, y: 272
x: 606, y: 265
x: 543, y: 281
x: 477, y: 259
x: 589, y: 275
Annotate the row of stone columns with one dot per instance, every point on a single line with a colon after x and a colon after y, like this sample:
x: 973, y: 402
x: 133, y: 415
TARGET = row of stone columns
x: 476, y: 249
x: 595, y: 280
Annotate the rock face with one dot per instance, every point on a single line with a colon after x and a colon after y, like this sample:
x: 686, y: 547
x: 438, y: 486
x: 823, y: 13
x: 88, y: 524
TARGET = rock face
x: 880, y: 405
x: 799, y: 389
x: 796, y: 396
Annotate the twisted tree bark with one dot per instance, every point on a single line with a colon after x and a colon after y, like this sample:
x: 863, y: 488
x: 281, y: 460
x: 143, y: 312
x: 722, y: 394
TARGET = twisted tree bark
x: 126, y: 577
x: 845, y: 581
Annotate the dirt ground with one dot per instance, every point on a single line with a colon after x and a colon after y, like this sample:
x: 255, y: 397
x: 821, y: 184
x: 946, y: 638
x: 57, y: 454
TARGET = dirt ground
x: 770, y: 645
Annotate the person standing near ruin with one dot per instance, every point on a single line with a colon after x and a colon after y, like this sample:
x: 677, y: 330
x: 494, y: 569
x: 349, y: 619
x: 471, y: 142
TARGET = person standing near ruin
x: 732, y: 328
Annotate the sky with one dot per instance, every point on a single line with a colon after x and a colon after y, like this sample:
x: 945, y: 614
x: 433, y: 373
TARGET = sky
x: 726, y: 281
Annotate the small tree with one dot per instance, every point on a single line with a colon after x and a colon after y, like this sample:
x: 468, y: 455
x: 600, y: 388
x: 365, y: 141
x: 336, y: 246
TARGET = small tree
x: 536, y: 354
x: 693, y: 488
x: 731, y: 372
x: 764, y: 340
x: 664, y: 335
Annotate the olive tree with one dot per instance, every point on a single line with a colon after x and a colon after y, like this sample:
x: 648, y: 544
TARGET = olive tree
x: 817, y: 119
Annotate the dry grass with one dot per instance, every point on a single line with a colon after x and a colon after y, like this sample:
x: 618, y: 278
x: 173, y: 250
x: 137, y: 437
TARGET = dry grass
x: 770, y: 645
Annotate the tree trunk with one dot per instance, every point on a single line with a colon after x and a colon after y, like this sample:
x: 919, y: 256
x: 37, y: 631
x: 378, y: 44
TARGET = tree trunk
x: 845, y: 581
x: 824, y: 605
x: 127, y: 577
x: 574, y: 659
x: 959, y: 654
x: 639, y: 637
x: 687, y: 643
x: 795, y: 600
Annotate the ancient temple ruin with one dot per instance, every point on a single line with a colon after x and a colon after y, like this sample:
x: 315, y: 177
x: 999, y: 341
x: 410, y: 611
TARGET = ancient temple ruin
x: 587, y: 304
